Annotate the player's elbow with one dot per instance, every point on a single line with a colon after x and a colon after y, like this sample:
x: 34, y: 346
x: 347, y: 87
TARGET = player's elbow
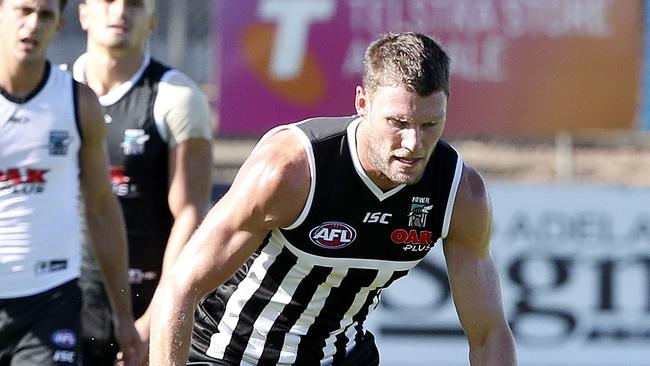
x: 491, y: 339
x: 174, y: 292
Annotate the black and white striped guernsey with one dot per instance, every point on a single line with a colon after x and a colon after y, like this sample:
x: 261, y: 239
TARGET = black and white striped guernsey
x: 303, y: 297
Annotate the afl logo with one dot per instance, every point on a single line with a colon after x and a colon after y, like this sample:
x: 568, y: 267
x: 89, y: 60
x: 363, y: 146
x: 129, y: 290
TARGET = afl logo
x: 64, y: 338
x: 332, y: 235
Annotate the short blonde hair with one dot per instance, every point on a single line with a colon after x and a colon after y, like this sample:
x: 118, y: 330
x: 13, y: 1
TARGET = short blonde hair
x: 408, y: 59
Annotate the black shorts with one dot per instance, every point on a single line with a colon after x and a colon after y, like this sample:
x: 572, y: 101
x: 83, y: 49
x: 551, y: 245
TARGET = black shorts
x: 42, y: 329
x: 365, y: 353
x: 98, y: 342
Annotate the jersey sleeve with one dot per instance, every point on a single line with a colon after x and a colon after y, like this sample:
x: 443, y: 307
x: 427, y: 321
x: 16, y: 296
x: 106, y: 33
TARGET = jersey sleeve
x: 182, y: 109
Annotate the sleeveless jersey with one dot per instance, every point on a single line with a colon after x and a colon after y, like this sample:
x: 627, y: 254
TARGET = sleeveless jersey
x: 139, y: 162
x: 40, y: 235
x: 305, y: 294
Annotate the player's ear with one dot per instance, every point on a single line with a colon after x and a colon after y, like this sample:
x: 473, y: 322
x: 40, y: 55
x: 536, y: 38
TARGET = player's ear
x: 60, y: 25
x: 361, y: 101
x: 83, y: 14
x: 153, y: 23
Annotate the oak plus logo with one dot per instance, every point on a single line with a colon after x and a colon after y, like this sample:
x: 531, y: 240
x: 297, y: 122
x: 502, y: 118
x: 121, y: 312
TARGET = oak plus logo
x: 333, y: 235
x: 413, y: 240
x: 121, y: 182
x: 22, y: 180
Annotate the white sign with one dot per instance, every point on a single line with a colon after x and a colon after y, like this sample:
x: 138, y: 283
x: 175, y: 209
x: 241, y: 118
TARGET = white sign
x: 574, y: 264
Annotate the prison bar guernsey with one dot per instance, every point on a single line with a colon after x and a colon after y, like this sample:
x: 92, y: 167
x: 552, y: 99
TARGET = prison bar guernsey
x: 40, y: 235
x: 138, y: 155
x: 303, y: 297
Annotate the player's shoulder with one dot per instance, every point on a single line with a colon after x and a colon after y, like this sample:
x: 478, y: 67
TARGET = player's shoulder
x: 472, y: 212
x: 279, y: 159
x: 472, y: 192
x: 283, y: 146
x: 276, y: 174
x: 173, y: 80
x: 177, y: 90
x: 85, y: 93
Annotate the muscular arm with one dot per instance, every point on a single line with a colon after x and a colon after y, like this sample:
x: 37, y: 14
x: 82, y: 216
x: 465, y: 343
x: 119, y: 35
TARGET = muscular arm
x: 186, y: 113
x: 473, y: 276
x: 188, y: 197
x: 268, y: 192
x: 189, y: 192
x: 104, y: 221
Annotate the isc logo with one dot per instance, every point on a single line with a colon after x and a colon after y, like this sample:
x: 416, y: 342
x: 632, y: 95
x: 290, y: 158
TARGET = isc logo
x: 373, y: 217
x: 332, y: 235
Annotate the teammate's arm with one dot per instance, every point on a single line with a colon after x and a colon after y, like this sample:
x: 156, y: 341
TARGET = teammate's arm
x: 269, y: 192
x: 188, y: 198
x: 105, y: 222
x: 473, y: 276
x: 188, y: 119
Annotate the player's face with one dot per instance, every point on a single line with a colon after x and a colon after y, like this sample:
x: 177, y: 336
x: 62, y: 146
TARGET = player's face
x: 400, y: 133
x: 117, y: 24
x: 27, y: 27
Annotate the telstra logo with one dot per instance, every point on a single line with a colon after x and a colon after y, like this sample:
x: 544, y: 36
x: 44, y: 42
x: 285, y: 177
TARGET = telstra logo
x: 277, y: 49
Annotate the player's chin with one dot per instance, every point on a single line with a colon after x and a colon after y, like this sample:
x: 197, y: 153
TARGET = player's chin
x: 407, y: 177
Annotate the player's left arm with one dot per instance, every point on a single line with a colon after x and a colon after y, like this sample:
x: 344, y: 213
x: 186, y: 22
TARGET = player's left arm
x: 105, y: 223
x: 188, y: 122
x: 473, y: 275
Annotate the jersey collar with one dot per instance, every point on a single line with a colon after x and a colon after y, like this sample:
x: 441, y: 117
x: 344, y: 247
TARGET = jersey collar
x: 352, y: 138
x: 112, y: 97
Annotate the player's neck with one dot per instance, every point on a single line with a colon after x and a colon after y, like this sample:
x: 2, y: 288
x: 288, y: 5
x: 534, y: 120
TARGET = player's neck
x: 106, y: 69
x: 363, y: 153
x: 19, y: 79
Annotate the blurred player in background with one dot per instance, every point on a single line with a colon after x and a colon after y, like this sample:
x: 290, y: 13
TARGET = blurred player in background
x: 326, y: 213
x: 159, y: 143
x: 52, y: 148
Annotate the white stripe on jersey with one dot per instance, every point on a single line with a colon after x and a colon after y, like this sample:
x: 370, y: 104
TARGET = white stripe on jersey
x: 237, y: 301
x: 281, y: 298
x: 446, y: 222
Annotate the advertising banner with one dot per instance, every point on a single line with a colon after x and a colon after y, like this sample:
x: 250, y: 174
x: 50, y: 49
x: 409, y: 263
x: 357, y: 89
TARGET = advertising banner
x: 519, y: 67
x: 574, y: 263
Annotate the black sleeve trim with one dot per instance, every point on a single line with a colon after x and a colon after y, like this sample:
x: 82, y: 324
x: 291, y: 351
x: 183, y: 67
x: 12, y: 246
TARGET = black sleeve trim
x: 75, y: 101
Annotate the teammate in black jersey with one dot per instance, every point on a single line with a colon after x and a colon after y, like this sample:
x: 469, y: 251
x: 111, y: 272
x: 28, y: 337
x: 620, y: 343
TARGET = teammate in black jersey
x: 159, y: 132
x: 52, y: 159
x: 326, y: 213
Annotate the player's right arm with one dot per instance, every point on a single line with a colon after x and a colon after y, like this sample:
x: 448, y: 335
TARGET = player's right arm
x: 269, y: 191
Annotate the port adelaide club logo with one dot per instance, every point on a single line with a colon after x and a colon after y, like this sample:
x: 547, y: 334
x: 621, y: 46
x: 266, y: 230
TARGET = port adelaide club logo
x: 333, y: 235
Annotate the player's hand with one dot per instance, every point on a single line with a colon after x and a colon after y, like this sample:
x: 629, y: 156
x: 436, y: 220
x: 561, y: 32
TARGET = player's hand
x: 132, y: 349
x: 142, y: 326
